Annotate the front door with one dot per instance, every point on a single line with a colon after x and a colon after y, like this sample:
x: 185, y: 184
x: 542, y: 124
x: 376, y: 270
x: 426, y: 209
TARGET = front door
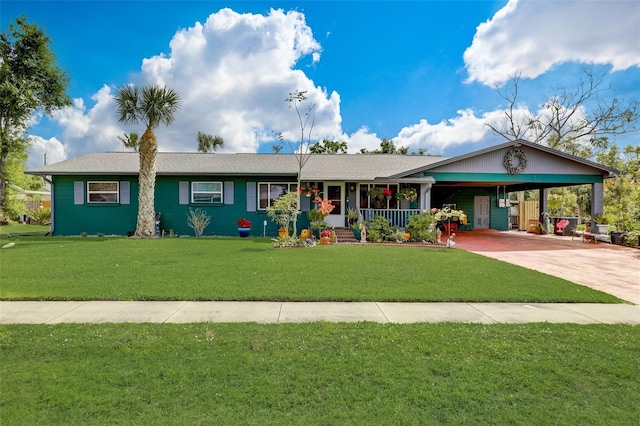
x: 334, y: 192
x: 481, y: 212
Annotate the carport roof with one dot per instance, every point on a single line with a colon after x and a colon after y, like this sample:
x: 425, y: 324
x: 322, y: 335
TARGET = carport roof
x: 604, y: 170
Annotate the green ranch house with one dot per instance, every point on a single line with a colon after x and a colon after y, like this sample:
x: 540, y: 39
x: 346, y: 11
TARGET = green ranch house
x: 98, y: 193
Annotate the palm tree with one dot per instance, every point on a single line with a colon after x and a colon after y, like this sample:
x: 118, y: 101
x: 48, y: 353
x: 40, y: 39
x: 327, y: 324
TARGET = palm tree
x: 130, y: 141
x: 208, y: 143
x: 151, y: 105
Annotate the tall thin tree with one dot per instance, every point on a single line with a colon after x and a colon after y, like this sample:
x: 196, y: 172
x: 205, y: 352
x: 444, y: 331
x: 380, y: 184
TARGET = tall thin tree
x: 152, y: 106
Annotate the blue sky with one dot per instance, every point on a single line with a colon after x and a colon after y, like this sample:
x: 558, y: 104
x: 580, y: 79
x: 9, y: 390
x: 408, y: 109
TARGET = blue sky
x: 420, y: 72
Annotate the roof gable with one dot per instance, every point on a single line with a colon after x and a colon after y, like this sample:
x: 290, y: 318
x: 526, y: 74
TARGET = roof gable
x: 540, y: 160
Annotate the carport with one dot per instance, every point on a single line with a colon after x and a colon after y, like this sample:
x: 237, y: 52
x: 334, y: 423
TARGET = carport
x: 479, y: 182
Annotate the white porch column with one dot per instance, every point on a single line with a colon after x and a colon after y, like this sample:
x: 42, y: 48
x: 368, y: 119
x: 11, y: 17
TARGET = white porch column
x: 425, y: 190
x: 597, y: 203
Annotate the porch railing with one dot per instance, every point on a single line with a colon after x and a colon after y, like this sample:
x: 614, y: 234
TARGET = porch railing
x: 397, y: 217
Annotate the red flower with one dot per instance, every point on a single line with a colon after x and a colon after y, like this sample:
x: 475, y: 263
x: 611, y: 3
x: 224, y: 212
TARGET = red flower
x: 325, y: 233
x: 244, y: 223
x: 386, y: 192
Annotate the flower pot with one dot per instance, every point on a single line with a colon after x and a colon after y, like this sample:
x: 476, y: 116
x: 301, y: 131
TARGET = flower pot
x: 244, y: 232
x: 617, y: 238
x: 325, y: 241
x: 357, y: 233
x: 282, y: 233
x: 602, y: 229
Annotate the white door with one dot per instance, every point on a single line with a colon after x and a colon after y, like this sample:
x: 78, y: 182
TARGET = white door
x: 481, y: 212
x: 334, y: 192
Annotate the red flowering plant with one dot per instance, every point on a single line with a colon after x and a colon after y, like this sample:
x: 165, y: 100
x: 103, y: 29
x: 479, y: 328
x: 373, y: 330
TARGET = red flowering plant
x: 325, y: 233
x: 386, y: 192
x: 244, y: 223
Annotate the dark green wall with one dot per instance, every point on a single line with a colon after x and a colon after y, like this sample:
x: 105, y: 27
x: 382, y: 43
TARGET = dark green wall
x: 464, y: 200
x: 71, y: 219
x: 118, y: 219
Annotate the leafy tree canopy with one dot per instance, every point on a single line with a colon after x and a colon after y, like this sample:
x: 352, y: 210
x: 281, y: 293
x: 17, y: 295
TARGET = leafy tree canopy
x: 328, y: 147
x: 30, y: 80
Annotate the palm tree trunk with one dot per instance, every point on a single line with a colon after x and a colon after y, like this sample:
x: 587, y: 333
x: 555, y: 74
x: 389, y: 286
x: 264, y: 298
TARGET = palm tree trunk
x: 148, y: 151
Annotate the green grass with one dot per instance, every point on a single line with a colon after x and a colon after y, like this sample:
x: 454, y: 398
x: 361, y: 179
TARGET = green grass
x: 320, y: 373
x: 56, y: 268
x: 19, y: 229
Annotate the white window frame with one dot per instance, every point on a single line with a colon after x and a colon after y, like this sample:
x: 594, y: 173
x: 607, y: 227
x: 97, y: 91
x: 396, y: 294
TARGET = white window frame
x: 291, y: 185
x: 91, y: 192
x: 211, y: 193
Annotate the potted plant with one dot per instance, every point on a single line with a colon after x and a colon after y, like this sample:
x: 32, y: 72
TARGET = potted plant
x: 325, y: 237
x: 408, y: 194
x: 375, y: 192
x: 358, y: 228
x: 244, y: 227
x: 283, y: 211
x: 316, y: 222
x: 387, y: 193
x: 352, y: 216
x: 602, y: 223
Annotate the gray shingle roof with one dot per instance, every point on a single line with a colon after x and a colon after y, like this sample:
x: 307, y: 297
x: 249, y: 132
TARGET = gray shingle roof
x: 341, y: 167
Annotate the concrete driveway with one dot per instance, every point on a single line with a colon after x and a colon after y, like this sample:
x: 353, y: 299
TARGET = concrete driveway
x: 606, y: 267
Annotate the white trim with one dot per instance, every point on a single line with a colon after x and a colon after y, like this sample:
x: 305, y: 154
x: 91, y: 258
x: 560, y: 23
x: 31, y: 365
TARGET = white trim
x: 115, y: 192
x: 210, y: 194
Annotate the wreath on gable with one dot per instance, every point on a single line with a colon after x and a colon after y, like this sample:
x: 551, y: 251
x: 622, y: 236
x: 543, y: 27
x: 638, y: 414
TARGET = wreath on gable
x: 521, y: 164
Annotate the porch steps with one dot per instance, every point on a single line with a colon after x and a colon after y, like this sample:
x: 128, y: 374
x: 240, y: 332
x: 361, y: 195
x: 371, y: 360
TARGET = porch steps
x: 345, y: 236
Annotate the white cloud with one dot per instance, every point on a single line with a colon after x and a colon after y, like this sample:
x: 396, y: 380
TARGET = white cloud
x: 233, y: 73
x: 39, y: 147
x: 531, y: 37
x: 435, y: 138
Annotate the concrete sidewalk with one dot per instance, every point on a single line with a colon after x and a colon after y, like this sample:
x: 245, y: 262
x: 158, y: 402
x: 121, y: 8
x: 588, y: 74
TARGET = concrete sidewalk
x: 25, y: 312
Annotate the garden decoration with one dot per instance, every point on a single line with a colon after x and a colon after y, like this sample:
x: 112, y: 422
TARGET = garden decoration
x: 244, y: 227
x: 515, y: 169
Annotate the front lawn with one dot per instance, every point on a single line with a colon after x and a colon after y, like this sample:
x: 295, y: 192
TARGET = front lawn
x: 319, y: 373
x: 94, y: 268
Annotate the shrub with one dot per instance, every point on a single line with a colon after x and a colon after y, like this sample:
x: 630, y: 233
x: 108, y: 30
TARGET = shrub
x: 631, y: 238
x: 198, y: 220
x: 380, y: 230
x: 422, y: 227
x: 42, y: 216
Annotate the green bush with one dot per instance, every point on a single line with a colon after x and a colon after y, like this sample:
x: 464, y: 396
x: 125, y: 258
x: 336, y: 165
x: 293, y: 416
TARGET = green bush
x: 14, y: 208
x: 380, y: 230
x: 422, y: 227
x: 631, y: 238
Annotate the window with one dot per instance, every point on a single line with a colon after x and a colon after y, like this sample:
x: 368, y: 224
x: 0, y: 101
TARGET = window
x: 206, y: 192
x: 269, y: 192
x: 103, y: 192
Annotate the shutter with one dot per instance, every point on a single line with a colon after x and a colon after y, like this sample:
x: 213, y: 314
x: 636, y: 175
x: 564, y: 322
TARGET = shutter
x: 251, y: 197
x: 228, y: 193
x: 305, y: 203
x: 183, y: 190
x: 125, y: 192
x: 78, y: 192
